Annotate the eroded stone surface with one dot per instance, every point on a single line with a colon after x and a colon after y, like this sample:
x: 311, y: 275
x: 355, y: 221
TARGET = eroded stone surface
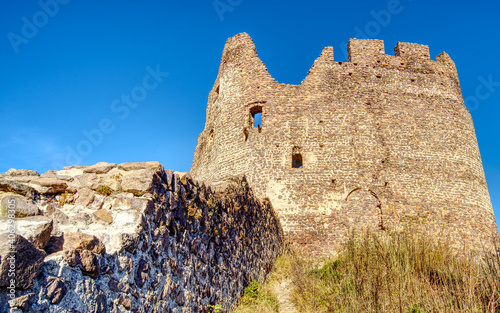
x: 49, y: 185
x: 138, y: 182
x: 22, y: 302
x: 100, y: 168
x: 10, y: 185
x: 22, y: 206
x: 35, y: 229
x: 25, y: 263
x: 87, y: 180
x: 58, y: 216
x: 103, y: 216
x: 55, y: 244
x: 20, y: 172
x: 133, y: 166
x: 89, y: 263
x: 84, y: 196
x: 82, y: 241
x: 56, y: 290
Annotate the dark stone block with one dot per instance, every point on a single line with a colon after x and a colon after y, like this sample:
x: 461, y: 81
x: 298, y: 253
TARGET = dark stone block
x: 26, y: 262
x: 141, y: 272
x: 56, y: 290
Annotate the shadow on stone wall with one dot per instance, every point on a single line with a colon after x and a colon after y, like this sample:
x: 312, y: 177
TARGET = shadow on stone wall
x: 131, y: 238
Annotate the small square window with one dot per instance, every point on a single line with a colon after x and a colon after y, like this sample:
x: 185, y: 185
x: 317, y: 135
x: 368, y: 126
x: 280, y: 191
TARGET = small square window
x: 296, y: 160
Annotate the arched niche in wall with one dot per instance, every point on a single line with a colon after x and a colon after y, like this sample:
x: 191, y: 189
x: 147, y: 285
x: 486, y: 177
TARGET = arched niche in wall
x: 365, y: 209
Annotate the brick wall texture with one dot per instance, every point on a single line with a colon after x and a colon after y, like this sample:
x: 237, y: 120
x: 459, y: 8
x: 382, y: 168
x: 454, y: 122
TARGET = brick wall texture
x: 385, y: 142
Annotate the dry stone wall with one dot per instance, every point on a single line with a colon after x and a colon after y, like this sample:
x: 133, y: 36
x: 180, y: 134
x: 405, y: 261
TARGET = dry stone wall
x: 382, y: 140
x: 131, y: 237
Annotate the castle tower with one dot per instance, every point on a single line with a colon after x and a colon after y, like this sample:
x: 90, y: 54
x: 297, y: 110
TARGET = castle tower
x: 374, y: 142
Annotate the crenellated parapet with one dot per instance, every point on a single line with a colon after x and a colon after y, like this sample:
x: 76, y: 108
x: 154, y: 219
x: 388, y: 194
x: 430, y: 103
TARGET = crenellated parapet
x: 367, y: 50
x: 407, y: 57
x: 240, y: 53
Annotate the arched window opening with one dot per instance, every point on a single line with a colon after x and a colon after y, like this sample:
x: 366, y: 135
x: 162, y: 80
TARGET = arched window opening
x: 256, y: 116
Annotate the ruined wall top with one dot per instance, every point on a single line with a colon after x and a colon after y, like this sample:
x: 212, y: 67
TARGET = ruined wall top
x: 407, y: 57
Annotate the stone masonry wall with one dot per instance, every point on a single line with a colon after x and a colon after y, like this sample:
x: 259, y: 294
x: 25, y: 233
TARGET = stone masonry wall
x: 131, y: 237
x: 384, y: 140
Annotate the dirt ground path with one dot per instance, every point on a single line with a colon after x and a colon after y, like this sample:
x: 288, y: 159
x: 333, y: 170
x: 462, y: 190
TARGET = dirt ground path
x: 282, y: 292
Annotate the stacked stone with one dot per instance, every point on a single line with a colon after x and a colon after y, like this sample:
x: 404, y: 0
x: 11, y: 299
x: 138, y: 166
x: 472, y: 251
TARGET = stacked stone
x: 380, y: 142
x: 130, y: 237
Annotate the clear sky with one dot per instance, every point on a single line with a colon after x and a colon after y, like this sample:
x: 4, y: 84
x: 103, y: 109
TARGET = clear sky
x: 134, y: 76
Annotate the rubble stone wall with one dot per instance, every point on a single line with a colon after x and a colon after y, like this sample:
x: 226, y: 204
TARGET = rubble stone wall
x: 131, y: 237
x: 383, y: 140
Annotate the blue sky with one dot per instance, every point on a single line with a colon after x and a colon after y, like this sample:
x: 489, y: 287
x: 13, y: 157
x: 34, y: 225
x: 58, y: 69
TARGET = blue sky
x: 134, y: 76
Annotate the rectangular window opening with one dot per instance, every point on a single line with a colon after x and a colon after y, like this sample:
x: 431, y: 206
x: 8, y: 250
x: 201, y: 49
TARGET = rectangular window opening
x: 297, y: 160
x: 256, y: 117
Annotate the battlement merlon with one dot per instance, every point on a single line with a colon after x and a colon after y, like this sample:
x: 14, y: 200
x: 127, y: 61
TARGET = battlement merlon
x: 412, y: 51
x: 365, y: 50
x: 445, y: 59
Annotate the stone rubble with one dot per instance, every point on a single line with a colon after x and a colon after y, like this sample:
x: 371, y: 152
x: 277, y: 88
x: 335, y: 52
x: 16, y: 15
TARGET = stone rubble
x: 131, y: 237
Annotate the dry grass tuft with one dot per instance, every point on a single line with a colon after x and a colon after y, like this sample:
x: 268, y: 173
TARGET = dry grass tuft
x: 397, y: 272
x: 387, y: 272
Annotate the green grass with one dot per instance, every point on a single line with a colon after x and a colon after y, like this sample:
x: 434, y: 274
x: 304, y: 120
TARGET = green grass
x: 258, y: 298
x: 211, y: 308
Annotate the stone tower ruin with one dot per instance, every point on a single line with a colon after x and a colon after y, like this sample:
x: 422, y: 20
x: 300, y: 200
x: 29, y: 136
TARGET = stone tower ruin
x: 378, y: 142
